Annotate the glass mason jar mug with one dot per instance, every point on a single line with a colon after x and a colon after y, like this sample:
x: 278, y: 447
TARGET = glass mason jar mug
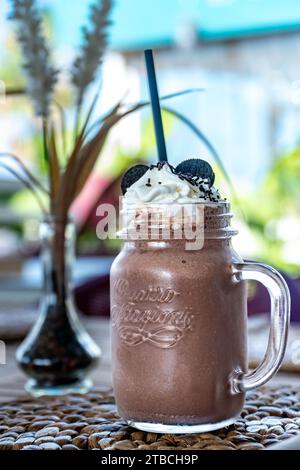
x: 179, y: 324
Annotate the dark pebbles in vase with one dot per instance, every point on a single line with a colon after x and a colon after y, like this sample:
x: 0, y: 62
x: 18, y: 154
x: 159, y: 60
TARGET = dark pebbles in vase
x: 58, y: 353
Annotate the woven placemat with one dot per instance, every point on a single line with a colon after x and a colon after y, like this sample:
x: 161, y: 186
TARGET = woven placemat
x: 91, y: 422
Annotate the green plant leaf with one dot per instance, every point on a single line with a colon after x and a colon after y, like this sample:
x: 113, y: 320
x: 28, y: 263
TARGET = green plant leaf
x: 27, y: 172
x: 82, y: 158
x: 176, y: 94
x: 142, y: 104
x: 63, y: 125
x: 85, y: 162
x: 53, y: 165
x: 27, y: 184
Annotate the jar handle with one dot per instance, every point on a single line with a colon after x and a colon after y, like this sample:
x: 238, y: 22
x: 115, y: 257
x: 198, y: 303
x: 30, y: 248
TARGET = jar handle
x: 280, y: 315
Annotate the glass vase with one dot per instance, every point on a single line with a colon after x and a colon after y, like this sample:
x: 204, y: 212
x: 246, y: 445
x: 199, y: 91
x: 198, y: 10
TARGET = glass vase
x: 58, y: 353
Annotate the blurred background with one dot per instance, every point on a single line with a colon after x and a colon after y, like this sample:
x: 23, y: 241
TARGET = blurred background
x: 244, y: 53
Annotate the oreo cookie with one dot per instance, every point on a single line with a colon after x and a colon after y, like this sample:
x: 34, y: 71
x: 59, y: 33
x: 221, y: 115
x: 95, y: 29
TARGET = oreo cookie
x: 197, y: 168
x: 132, y: 175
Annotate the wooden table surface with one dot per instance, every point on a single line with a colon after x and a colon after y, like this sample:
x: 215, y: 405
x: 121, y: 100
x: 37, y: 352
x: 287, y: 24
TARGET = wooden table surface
x: 12, y: 380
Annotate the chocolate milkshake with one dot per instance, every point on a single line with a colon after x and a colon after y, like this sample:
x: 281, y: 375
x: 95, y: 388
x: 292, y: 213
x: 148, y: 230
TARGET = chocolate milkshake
x: 178, y: 315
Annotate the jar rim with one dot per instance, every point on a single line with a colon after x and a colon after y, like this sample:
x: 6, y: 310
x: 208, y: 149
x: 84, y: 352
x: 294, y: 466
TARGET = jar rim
x: 209, y: 220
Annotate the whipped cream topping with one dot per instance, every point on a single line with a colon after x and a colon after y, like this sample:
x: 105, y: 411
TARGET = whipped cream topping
x: 162, y: 184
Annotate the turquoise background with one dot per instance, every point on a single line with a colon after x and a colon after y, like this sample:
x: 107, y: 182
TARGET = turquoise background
x: 140, y: 23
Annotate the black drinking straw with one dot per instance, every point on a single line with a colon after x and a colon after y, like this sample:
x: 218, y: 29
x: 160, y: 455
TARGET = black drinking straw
x: 156, y: 111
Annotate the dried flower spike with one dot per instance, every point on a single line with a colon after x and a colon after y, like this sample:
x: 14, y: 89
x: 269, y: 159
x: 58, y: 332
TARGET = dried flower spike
x: 42, y: 76
x: 95, y: 40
